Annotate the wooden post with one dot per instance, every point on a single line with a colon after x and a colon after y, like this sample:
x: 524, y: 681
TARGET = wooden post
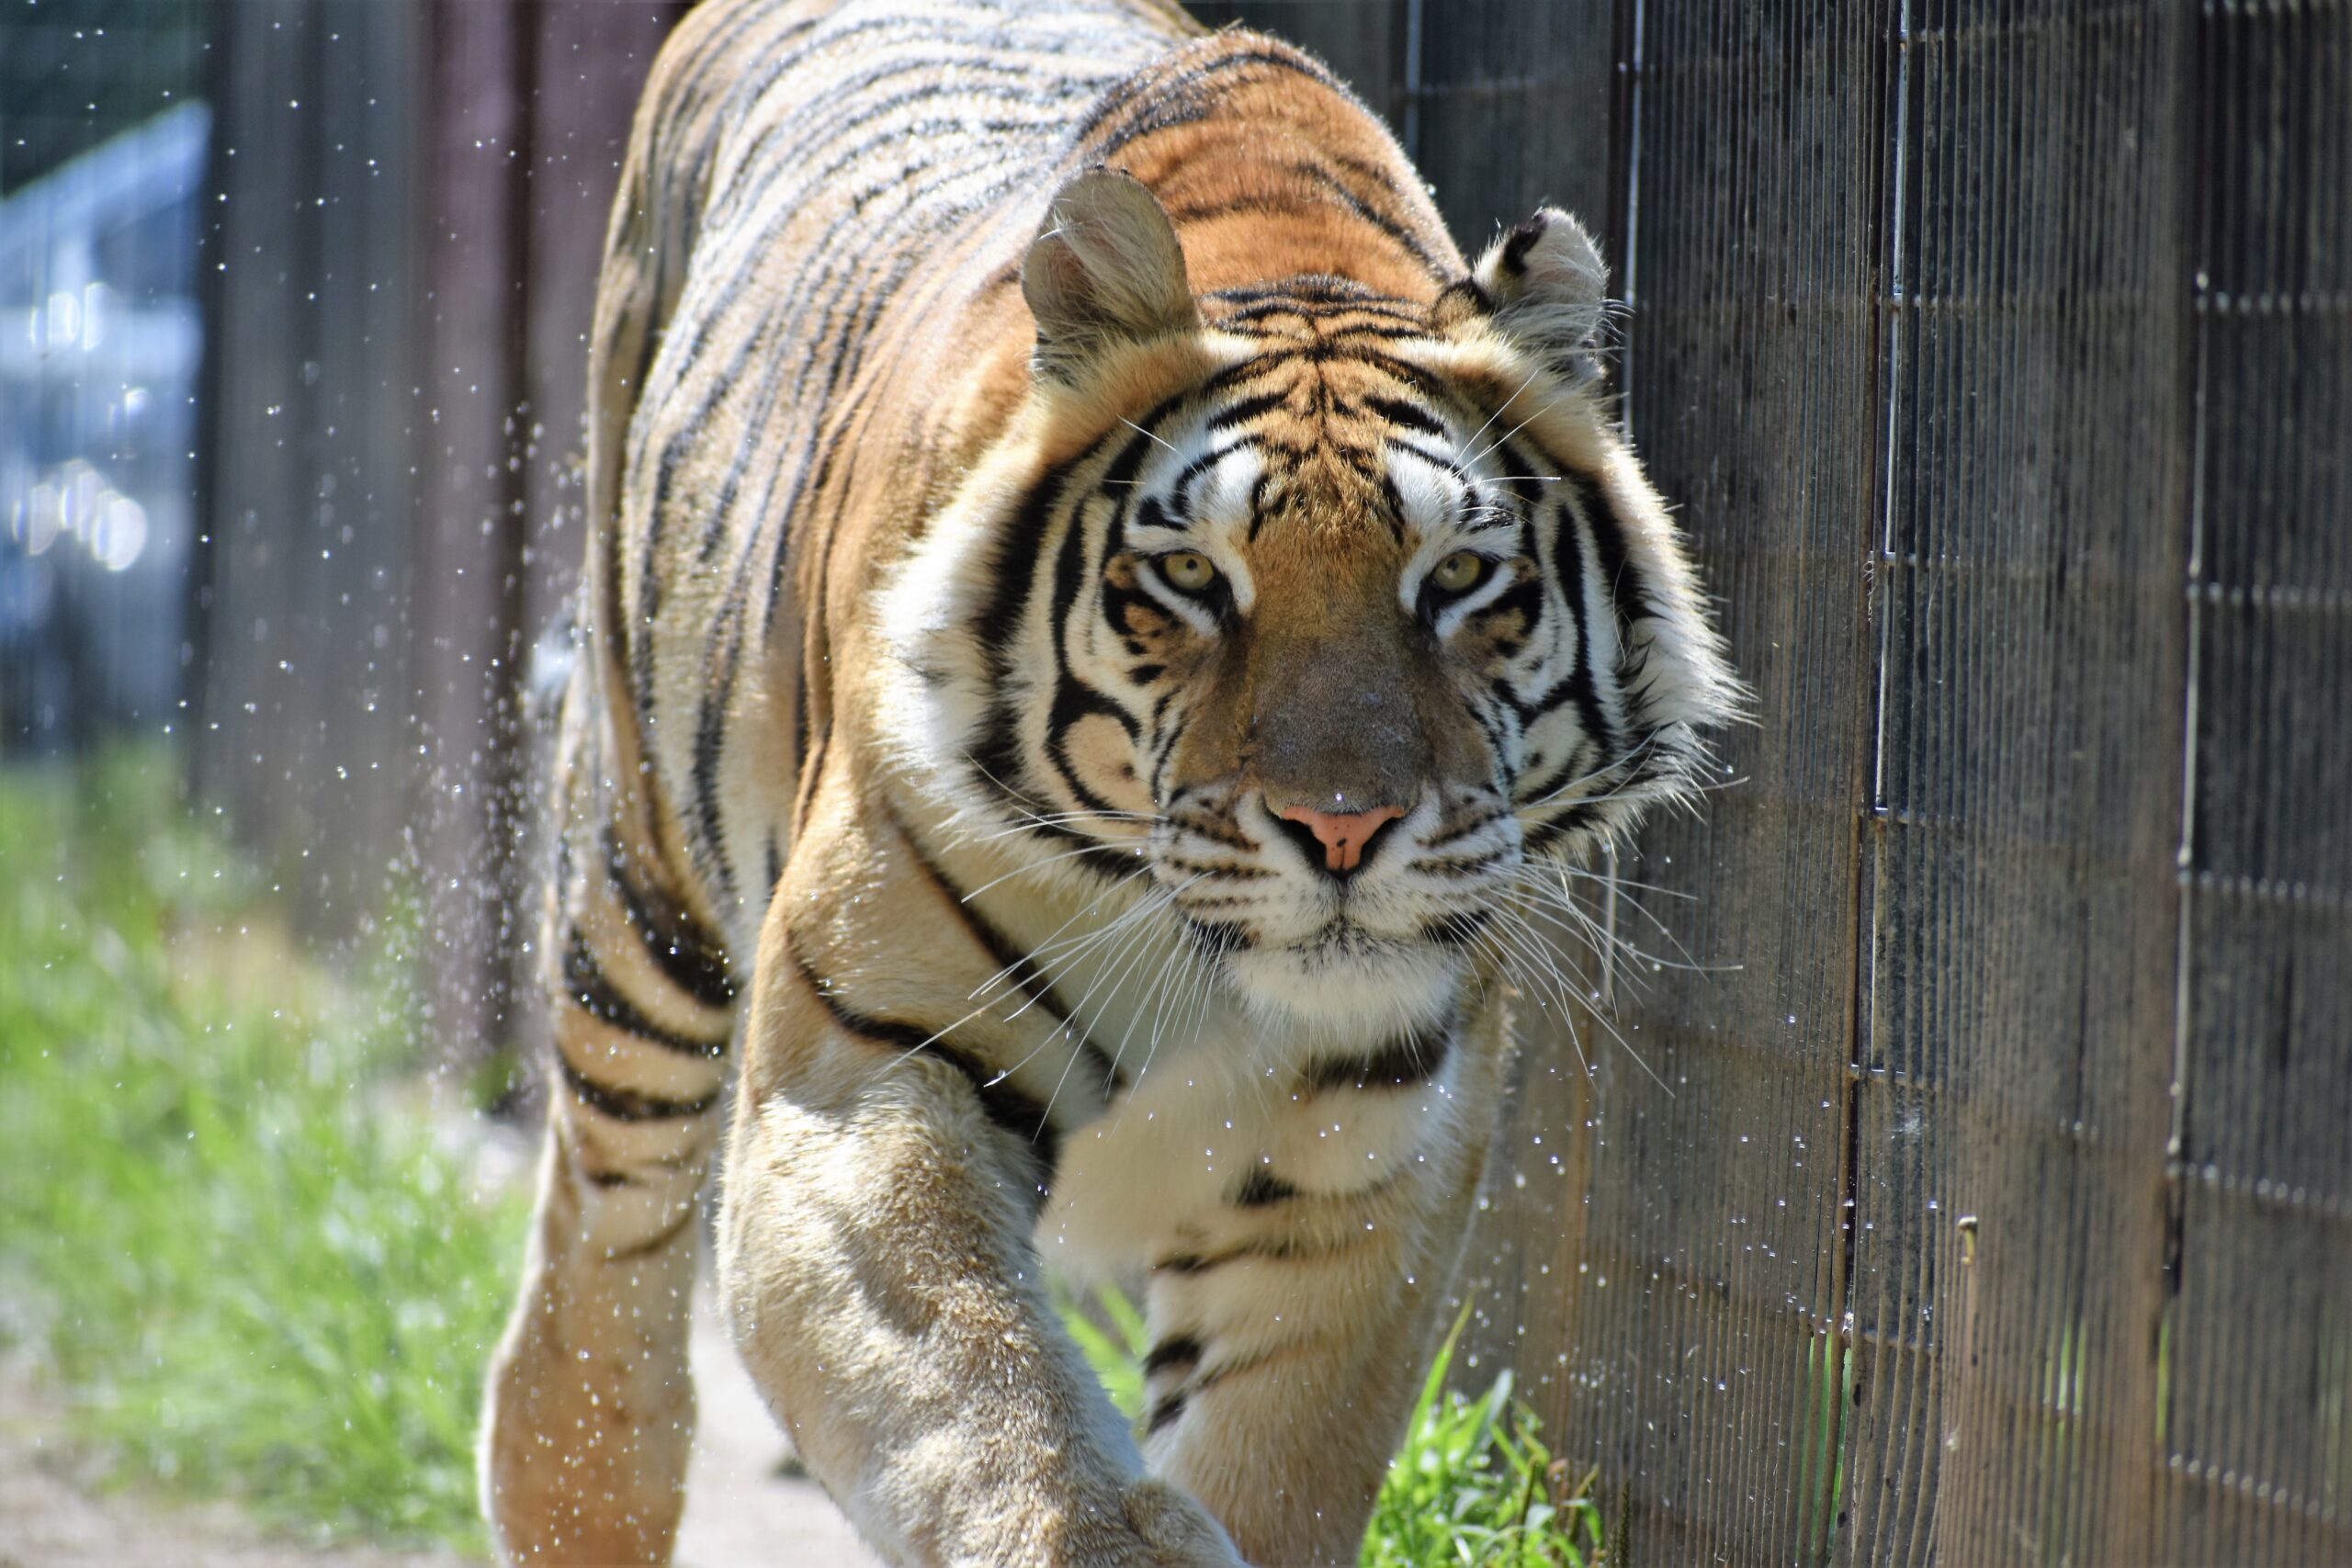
x: 468, y: 596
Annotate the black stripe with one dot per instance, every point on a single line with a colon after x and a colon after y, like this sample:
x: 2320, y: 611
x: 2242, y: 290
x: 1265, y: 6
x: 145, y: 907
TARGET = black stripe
x: 1165, y: 1413
x: 1628, y: 590
x: 723, y: 652
x: 1316, y: 293
x: 1521, y: 241
x: 1268, y: 362
x: 997, y: 758
x: 1237, y: 413
x: 587, y: 987
x: 1457, y: 929
x: 1572, y: 766
x: 1388, y: 224
x: 1263, y: 1188
x: 1525, y: 712
x: 1490, y: 722
x: 1267, y: 1249
x: 1468, y: 481
x: 1073, y: 698
x: 1179, y: 489
x: 1370, y: 318
x: 1015, y: 1111
x: 1337, y: 337
x: 1467, y: 289
x: 1010, y: 961
x: 1166, y: 97
x: 1526, y: 482
x: 1184, y: 1350
x: 1567, y: 566
x: 1552, y: 830
x: 676, y: 942
x: 1409, y: 1059
x: 1455, y: 835
x: 1476, y: 864
x: 812, y: 772
x: 1023, y: 541
x: 1412, y: 416
x: 626, y: 1105
x: 1523, y: 599
x: 1150, y: 513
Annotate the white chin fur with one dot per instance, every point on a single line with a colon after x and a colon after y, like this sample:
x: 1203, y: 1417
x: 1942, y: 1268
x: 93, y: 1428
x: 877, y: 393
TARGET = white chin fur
x: 1377, y: 987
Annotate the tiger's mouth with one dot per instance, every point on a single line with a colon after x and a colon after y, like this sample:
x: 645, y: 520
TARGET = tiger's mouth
x: 1342, y: 975
x: 1346, y: 940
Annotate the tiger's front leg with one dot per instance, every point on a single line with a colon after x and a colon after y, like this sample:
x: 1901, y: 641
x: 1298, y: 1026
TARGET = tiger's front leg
x: 876, y: 1265
x: 1293, y: 1322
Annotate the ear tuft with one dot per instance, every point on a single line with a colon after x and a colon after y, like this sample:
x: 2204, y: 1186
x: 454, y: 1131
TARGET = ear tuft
x: 1549, y: 288
x: 1104, y: 269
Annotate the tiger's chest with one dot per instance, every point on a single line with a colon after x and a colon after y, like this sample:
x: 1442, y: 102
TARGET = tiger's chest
x: 1236, y: 1118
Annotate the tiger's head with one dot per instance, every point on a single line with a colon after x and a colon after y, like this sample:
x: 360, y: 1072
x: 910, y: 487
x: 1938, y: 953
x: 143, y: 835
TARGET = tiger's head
x: 1336, y: 621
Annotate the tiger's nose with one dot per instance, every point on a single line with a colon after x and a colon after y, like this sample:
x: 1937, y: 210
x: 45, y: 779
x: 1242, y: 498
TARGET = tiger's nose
x: 1344, y: 837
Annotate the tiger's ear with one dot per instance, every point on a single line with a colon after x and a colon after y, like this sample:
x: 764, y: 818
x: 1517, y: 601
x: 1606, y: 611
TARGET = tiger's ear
x: 1105, y: 268
x: 1545, y: 287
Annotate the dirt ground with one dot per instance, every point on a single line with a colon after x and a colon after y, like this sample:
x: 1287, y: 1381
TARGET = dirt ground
x: 740, y: 1513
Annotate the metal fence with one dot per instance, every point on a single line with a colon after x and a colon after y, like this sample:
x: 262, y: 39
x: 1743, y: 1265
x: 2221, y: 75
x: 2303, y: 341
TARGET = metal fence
x: 1997, y: 1206
x: 1969, y: 1179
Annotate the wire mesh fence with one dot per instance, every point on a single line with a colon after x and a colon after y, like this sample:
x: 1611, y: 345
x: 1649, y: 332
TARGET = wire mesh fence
x: 1991, y: 1204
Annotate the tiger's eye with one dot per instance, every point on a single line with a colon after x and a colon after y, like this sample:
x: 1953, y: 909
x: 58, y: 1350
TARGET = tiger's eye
x: 1187, y: 571
x: 1459, y: 572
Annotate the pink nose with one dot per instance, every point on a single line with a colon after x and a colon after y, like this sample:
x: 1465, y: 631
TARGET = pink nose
x: 1342, y: 837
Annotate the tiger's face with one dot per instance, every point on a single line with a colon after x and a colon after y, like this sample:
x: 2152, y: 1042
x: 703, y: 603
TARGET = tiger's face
x: 1324, y: 654
x: 1343, y: 643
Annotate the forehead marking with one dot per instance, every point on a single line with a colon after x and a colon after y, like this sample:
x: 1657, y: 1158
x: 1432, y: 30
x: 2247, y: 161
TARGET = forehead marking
x: 1221, y: 491
x: 1429, y: 494
x: 1206, y: 466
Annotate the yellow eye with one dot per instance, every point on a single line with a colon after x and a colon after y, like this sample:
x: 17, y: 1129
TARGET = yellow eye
x: 1459, y: 572
x: 1187, y: 571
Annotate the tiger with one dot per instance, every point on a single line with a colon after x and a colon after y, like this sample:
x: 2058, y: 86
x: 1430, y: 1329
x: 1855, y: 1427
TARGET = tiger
x: 1101, y: 639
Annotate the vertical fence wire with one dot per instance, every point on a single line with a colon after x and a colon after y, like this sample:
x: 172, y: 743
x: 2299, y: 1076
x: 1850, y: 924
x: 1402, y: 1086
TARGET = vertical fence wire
x: 1914, y: 274
x: 2257, y: 1423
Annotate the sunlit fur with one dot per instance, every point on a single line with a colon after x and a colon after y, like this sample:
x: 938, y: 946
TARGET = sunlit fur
x: 1339, y: 445
x: 930, y: 335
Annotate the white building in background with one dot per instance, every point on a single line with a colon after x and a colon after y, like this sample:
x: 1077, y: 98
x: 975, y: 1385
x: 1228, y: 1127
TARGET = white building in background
x: 101, y: 350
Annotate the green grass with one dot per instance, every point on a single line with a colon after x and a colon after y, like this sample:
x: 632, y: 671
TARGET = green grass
x: 240, y: 1267
x: 1472, y: 1485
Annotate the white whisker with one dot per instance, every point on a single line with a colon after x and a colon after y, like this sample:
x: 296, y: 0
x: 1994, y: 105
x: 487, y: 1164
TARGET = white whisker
x: 1139, y: 430
x: 1028, y: 870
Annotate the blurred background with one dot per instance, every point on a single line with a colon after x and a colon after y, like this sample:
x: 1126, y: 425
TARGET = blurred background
x: 290, y: 436
x: 1956, y: 1163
